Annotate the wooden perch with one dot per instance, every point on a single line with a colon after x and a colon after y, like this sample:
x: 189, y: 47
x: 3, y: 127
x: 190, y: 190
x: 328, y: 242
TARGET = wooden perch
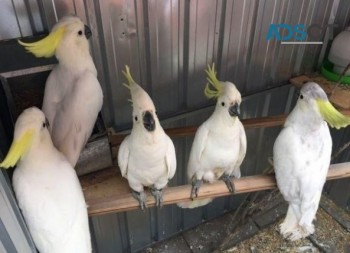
x: 110, y: 193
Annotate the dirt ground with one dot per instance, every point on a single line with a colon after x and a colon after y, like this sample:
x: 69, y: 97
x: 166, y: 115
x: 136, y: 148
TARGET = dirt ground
x: 259, y: 234
x: 330, y: 236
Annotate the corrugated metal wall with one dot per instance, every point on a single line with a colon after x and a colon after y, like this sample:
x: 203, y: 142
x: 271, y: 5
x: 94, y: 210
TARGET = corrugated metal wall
x: 167, y: 44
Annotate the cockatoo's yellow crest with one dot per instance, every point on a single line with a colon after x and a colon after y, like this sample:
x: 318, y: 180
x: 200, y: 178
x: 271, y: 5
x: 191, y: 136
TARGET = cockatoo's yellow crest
x: 331, y: 115
x: 17, y: 149
x: 128, y: 76
x: 213, y: 81
x: 47, y: 46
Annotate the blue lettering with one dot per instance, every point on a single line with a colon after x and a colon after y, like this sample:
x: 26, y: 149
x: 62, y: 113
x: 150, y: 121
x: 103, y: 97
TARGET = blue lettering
x: 290, y: 31
x: 273, y: 32
x: 300, y: 33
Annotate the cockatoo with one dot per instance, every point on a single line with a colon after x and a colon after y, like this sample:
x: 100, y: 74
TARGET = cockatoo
x: 301, y: 156
x: 47, y: 188
x: 73, y: 96
x: 146, y: 157
x: 220, y: 143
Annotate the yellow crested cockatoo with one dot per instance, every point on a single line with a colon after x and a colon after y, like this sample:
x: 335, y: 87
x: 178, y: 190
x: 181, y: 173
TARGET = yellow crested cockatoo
x: 47, y: 188
x: 146, y: 157
x: 73, y: 96
x: 301, y: 157
x: 220, y: 143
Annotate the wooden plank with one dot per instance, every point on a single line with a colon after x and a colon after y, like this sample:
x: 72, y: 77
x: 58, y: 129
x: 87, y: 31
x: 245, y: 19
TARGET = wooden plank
x: 110, y: 193
x: 271, y: 121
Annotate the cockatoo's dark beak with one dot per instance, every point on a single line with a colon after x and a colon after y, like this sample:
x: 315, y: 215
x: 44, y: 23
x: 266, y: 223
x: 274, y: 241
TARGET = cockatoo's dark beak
x: 87, y: 32
x: 234, y: 110
x: 149, y: 122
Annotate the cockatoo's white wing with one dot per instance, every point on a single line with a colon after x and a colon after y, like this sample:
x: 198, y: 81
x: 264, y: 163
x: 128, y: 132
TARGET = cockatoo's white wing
x: 76, y: 115
x: 286, y: 157
x: 123, y: 156
x: 170, y: 158
x: 198, y: 146
x: 53, y: 205
x: 52, y: 96
x: 242, y: 146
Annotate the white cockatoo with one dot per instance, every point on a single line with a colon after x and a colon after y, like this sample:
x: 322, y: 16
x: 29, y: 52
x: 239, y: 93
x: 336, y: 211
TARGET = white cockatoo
x: 47, y: 188
x: 73, y: 96
x: 220, y: 143
x: 146, y: 157
x: 301, y: 155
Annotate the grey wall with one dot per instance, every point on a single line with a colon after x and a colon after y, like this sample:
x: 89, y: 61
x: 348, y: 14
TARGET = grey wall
x: 14, y: 236
x: 167, y: 44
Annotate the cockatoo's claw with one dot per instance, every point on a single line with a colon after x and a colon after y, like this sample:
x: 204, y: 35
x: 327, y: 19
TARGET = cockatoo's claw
x: 158, y: 195
x: 228, y: 182
x: 142, y: 198
x: 196, y: 184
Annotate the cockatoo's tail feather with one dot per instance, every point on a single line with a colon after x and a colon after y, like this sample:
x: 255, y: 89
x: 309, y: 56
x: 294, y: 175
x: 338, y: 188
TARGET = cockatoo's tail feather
x: 212, y: 81
x: 17, y: 149
x: 47, y: 46
x: 333, y: 117
x: 128, y: 76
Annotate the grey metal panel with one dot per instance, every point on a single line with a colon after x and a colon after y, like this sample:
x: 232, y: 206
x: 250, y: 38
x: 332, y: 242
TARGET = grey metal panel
x: 6, y: 242
x: 8, y: 23
x: 16, y: 235
x: 342, y: 18
x: 204, y: 20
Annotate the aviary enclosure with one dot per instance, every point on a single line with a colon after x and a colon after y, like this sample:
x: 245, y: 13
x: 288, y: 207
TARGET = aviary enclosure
x: 168, y: 45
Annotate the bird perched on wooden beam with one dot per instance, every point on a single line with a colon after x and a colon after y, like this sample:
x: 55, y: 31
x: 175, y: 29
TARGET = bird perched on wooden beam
x: 220, y: 143
x: 301, y: 157
x: 146, y: 157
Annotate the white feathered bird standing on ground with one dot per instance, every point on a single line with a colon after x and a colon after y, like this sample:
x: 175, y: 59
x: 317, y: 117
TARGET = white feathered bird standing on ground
x: 73, y: 96
x: 301, y: 155
x: 47, y: 188
x: 146, y: 157
x: 220, y: 143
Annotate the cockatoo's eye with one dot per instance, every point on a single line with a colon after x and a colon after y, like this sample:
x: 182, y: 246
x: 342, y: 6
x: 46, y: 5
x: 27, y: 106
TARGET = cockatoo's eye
x: 223, y: 103
x: 136, y: 118
x: 301, y: 96
x: 80, y: 32
x: 46, y: 123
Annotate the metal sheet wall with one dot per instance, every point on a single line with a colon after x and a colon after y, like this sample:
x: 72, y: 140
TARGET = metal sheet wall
x: 167, y: 44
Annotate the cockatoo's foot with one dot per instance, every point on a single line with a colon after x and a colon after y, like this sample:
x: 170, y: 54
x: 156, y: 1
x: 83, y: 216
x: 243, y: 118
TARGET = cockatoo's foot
x: 228, y: 182
x: 196, y: 184
x: 141, y: 197
x: 296, y: 234
x: 308, y: 229
x: 286, y: 228
x: 158, y: 195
